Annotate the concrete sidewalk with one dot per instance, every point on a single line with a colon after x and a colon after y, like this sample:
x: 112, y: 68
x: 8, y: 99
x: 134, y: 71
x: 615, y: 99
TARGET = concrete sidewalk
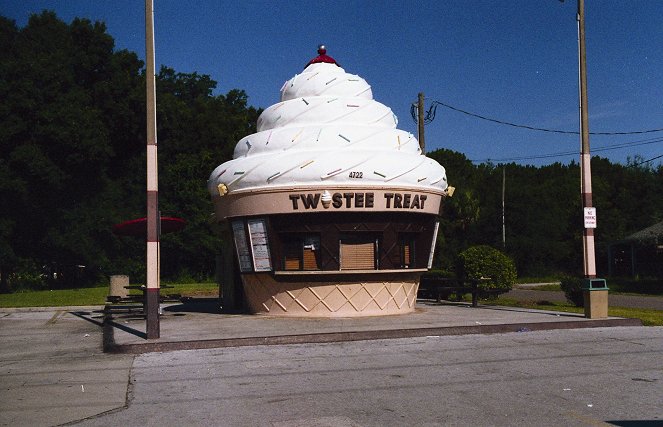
x: 199, y: 324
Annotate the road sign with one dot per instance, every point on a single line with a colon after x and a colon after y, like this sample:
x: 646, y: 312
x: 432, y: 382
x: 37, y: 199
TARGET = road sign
x: 590, y: 217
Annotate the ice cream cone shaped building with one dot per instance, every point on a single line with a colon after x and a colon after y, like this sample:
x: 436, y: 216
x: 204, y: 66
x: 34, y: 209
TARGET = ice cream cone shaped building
x: 332, y: 209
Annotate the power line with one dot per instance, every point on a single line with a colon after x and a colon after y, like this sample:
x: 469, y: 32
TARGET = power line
x: 568, y: 153
x: 644, y: 161
x: 502, y: 122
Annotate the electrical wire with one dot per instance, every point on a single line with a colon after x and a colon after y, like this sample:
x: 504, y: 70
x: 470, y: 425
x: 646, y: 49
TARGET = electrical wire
x: 569, y: 153
x: 428, y: 117
x: 502, y: 122
x: 644, y: 161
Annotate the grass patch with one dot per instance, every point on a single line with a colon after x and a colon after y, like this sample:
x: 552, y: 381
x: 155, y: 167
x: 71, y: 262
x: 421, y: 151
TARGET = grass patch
x: 618, y: 286
x: 544, y: 279
x: 95, y: 296
x: 648, y: 317
x: 55, y: 298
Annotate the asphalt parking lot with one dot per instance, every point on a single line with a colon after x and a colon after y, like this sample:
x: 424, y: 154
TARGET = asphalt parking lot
x: 442, y: 365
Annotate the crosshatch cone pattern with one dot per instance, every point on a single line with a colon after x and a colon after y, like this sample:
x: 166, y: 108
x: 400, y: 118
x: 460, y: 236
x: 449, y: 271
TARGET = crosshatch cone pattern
x: 330, y: 298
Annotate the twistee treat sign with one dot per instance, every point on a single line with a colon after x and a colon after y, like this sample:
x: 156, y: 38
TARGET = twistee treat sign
x: 350, y: 200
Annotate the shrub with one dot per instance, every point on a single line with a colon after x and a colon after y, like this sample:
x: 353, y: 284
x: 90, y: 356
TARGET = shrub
x: 479, y: 262
x: 26, y: 276
x: 572, y: 287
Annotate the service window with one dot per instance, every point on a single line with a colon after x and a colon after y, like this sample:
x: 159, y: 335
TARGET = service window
x: 407, y: 251
x: 358, y: 252
x: 301, y: 253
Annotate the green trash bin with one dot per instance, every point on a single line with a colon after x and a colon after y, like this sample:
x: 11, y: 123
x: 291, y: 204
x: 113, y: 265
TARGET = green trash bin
x: 595, y: 294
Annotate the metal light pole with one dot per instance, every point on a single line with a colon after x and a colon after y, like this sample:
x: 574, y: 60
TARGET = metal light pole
x: 153, y: 220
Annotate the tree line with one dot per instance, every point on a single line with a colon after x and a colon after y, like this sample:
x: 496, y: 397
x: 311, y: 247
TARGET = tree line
x: 72, y: 164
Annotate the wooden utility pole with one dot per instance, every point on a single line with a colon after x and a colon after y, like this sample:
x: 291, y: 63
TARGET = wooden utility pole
x: 595, y: 291
x: 503, y: 210
x: 420, y: 122
x: 153, y: 220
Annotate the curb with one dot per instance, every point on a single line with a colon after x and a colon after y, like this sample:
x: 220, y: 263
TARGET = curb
x: 110, y: 346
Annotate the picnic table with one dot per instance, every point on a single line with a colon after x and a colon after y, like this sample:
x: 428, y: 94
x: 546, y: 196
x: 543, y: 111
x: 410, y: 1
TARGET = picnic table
x: 442, y: 287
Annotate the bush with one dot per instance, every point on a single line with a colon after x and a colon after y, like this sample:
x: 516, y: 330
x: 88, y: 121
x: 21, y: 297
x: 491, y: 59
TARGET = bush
x: 26, y: 276
x: 572, y: 287
x: 479, y: 262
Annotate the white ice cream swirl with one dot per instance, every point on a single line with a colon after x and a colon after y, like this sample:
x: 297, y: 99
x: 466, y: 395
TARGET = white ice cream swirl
x: 327, y: 131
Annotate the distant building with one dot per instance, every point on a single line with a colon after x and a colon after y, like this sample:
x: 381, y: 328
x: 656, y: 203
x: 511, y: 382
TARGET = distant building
x: 640, y: 254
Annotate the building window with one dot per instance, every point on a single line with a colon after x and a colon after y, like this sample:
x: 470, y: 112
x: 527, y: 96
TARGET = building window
x: 358, y: 252
x: 301, y: 253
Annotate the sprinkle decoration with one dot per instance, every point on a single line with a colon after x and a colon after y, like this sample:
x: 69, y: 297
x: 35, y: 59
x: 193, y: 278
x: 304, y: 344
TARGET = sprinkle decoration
x: 332, y: 100
x: 305, y: 101
x: 268, y: 137
x: 306, y: 164
x: 379, y: 174
x: 352, y: 105
x: 421, y: 179
x: 222, y: 172
x: 273, y: 176
x: 239, y: 173
x: 312, y: 76
x: 248, y: 145
x: 330, y: 81
x: 333, y: 172
x: 347, y: 139
x: 318, y: 137
x: 435, y: 181
x: 297, y: 136
x: 363, y: 91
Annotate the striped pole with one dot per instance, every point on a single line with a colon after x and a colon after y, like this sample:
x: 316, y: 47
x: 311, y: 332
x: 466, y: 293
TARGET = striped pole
x: 153, y: 220
x: 585, y: 157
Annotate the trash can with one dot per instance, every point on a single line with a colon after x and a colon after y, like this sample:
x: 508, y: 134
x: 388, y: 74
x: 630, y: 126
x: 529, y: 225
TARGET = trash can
x: 118, y: 284
x: 595, y: 294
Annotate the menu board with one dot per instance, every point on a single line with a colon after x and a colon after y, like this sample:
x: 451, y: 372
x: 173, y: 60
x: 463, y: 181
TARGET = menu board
x: 242, y: 247
x: 259, y: 245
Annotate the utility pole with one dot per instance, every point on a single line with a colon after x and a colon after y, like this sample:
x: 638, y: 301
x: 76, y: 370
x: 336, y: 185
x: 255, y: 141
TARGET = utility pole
x: 503, y: 210
x: 585, y: 156
x: 153, y: 219
x: 595, y: 293
x: 420, y: 122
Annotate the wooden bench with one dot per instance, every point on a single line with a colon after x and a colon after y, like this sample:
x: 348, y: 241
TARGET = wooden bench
x: 442, y: 287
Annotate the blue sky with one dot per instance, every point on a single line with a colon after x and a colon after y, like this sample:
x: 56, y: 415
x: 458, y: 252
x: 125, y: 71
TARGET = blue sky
x: 514, y: 61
